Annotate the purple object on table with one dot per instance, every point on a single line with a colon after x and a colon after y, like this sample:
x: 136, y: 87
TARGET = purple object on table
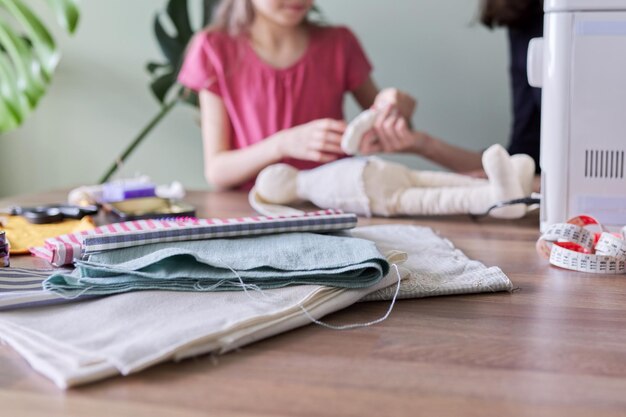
x: 4, y: 250
x: 120, y: 191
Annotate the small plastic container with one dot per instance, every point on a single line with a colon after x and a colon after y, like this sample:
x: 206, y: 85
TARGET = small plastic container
x: 147, y: 208
x: 125, y: 190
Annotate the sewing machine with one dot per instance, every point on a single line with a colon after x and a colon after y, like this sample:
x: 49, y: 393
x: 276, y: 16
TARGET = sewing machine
x: 581, y: 65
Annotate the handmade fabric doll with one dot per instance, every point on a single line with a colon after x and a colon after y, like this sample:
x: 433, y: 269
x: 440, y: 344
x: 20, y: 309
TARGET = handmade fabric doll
x: 376, y: 187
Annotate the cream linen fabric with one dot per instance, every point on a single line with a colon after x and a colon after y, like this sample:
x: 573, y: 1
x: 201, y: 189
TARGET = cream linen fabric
x: 433, y: 267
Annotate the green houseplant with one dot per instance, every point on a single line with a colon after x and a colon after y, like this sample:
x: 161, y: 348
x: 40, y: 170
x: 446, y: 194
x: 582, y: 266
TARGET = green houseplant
x: 28, y: 56
x: 163, y: 85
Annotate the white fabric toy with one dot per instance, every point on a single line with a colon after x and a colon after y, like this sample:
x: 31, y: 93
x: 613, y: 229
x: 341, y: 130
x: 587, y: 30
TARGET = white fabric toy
x: 351, y: 139
x: 372, y: 186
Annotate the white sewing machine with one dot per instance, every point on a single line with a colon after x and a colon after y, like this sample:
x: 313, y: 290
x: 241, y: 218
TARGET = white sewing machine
x: 581, y: 65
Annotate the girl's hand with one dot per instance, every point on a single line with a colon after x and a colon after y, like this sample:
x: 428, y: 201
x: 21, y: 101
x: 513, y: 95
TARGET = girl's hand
x: 391, y: 128
x: 319, y: 141
x: 405, y: 104
x: 392, y: 134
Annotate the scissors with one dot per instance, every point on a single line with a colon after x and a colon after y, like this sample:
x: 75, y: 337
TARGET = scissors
x: 51, y: 213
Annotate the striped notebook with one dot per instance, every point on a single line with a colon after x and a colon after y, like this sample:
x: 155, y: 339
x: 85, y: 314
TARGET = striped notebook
x: 62, y: 250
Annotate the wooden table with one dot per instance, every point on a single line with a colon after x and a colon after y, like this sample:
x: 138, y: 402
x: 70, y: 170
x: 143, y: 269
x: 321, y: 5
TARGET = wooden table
x: 556, y: 346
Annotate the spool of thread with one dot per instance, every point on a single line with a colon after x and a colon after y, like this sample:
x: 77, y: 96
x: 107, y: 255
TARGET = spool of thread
x: 4, y: 251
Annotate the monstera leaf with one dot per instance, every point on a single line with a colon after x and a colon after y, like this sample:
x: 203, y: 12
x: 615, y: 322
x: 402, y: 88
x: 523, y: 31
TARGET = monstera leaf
x: 164, y: 73
x: 28, y: 56
x: 173, y: 45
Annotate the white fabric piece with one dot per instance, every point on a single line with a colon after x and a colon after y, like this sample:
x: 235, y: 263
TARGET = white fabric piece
x: 78, y: 343
x: 434, y: 266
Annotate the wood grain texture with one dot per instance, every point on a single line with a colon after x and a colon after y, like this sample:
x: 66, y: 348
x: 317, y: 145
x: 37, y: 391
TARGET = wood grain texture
x: 556, y: 346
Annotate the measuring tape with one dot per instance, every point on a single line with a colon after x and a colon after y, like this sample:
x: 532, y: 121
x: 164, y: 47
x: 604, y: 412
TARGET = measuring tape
x: 573, y: 246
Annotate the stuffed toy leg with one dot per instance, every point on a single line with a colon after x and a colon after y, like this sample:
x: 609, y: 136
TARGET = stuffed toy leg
x: 372, y: 186
x: 435, y: 193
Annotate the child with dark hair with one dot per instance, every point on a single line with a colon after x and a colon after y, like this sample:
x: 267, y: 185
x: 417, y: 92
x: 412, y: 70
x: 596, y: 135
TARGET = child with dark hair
x: 510, y: 13
x: 524, y: 20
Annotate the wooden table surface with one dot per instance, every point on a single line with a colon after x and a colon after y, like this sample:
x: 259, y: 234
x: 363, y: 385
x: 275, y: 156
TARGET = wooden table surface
x: 556, y: 346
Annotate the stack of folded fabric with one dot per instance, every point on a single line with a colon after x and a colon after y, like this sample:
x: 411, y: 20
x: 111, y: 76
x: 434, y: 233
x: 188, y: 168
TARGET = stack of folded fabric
x: 264, y: 262
x: 22, y: 288
x: 282, y: 281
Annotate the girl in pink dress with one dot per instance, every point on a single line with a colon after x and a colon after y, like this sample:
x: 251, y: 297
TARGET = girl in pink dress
x: 271, y: 85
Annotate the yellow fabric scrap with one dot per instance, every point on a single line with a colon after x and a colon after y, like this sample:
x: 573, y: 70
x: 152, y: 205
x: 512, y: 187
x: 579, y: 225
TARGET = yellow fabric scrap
x: 22, y: 234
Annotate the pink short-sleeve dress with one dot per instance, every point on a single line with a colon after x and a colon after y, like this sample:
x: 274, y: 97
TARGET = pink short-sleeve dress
x: 261, y: 99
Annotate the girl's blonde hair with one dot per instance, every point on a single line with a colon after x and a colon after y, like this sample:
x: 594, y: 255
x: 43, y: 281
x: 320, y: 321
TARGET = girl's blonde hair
x: 232, y: 16
x: 235, y: 16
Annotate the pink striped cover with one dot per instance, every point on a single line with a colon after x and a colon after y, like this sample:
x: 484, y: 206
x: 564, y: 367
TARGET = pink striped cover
x: 62, y: 250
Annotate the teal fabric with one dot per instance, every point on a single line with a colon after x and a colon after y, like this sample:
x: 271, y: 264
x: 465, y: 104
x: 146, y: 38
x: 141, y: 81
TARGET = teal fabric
x: 270, y: 261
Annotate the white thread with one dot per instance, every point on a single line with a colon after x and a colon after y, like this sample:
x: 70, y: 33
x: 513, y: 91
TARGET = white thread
x: 276, y: 300
x: 65, y: 293
x: 198, y: 287
x: 245, y: 287
x: 358, y: 325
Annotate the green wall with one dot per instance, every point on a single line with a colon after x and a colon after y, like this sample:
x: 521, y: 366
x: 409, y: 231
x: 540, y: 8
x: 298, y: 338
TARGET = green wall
x: 100, y: 100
